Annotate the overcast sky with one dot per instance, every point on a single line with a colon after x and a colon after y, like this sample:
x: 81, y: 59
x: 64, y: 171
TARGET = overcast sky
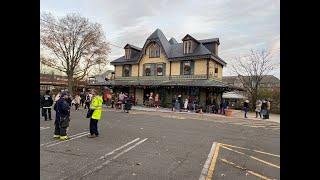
x: 240, y: 25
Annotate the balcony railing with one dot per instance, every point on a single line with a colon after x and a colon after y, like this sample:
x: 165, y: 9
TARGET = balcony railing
x: 163, y: 78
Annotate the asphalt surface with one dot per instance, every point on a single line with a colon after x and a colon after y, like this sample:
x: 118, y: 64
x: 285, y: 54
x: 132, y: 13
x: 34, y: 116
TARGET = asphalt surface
x: 153, y: 145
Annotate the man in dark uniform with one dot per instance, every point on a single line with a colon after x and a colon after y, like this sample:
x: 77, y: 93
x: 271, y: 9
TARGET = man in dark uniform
x: 46, y: 104
x: 62, y: 109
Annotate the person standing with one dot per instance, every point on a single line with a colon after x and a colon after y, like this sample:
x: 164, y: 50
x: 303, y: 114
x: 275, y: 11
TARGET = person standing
x: 46, y: 104
x: 157, y: 101
x: 264, y: 109
x: 87, y: 101
x: 121, y: 99
x: 180, y: 102
x: 82, y: 99
x: 77, y: 100
x: 268, y: 108
x: 258, y: 108
x: 186, y: 102
x: 246, y: 108
x: 126, y: 103
x: 62, y: 109
x: 112, y: 100
x: 96, y: 107
x: 173, y: 103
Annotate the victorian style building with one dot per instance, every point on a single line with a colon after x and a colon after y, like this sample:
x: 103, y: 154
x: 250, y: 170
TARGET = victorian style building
x: 191, y: 68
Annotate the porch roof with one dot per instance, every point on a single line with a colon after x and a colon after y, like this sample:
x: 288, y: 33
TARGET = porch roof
x: 192, y: 83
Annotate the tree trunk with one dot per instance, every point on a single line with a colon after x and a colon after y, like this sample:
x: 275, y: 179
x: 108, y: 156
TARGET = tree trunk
x: 254, y: 98
x: 70, y: 84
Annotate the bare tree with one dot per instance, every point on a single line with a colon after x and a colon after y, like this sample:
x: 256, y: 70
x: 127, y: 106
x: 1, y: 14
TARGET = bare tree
x: 75, y: 45
x: 252, y: 69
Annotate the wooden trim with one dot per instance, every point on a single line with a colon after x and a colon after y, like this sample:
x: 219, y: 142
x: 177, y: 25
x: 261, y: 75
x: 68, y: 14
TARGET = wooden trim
x: 207, y: 68
x: 170, y: 71
x: 138, y: 70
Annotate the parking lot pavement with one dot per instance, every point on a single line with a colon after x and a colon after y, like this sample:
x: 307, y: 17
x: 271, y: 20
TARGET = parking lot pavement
x: 151, y: 146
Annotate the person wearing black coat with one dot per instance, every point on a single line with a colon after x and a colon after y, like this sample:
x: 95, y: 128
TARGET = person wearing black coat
x: 180, y: 102
x: 46, y: 105
x: 62, y: 109
x: 246, y: 108
x: 264, y: 110
x: 127, y: 103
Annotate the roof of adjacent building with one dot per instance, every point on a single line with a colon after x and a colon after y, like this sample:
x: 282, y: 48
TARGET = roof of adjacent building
x: 267, y: 79
x: 173, y: 50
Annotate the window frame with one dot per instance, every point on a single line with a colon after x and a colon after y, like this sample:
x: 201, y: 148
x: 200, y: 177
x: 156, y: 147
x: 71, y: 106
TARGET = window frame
x: 127, y: 53
x: 162, y: 66
x: 124, y: 70
x: 216, y: 67
x: 154, y: 50
x: 183, y: 67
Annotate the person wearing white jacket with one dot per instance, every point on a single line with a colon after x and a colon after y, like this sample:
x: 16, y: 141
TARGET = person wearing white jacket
x: 258, y: 108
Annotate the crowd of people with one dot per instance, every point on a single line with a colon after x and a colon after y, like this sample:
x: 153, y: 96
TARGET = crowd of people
x: 62, y: 102
x: 262, y: 108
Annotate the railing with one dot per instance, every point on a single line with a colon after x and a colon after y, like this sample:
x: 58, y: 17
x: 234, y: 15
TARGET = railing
x: 162, y: 78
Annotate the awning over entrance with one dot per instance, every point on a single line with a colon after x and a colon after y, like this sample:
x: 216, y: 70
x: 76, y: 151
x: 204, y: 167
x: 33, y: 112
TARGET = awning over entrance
x: 233, y: 95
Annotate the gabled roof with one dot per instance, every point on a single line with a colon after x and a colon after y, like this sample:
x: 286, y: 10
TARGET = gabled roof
x: 189, y: 36
x: 133, y: 47
x: 158, y: 35
x: 173, y: 50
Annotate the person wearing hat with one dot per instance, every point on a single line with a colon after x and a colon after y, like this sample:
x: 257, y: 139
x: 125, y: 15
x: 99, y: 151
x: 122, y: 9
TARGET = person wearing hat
x: 96, y: 107
x: 246, y: 108
x: 46, y: 104
x: 62, y: 109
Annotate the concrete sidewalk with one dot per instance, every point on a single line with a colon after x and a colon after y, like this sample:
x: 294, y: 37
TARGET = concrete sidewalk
x: 235, y: 114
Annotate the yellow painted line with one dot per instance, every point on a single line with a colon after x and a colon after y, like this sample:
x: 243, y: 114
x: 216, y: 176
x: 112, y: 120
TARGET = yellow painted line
x: 213, y: 162
x: 249, y: 171
x: 251, y: 150
x: 252, y: 157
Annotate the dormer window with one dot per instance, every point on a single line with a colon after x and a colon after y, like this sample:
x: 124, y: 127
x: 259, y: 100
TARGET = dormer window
x: 127, y: 53
x: 154, y: 50
x: 187, y: 47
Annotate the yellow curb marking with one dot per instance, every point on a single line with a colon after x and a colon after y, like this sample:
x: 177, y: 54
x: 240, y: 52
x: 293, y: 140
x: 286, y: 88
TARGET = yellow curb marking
x: 213, y: 162
x: 251, y: 150
x: 249, y: 171
x: 265, y: 162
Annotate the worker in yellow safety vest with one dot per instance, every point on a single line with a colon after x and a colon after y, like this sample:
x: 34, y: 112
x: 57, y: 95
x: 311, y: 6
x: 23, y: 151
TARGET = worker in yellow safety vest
x: 96, y: 110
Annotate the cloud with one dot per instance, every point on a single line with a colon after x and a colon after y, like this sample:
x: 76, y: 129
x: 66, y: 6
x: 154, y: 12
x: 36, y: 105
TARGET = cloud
x: 240, y: 25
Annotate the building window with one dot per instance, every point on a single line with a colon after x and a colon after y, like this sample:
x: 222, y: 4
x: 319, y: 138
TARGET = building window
x: 126, y: 70
x: 159, y: 69
x: 154, y: 50
x: 152, y: 69
x: 216, y: 70
x: 187, y: 68
x: 187, y: 47
x: 147, y: 69
x: 127, y: 53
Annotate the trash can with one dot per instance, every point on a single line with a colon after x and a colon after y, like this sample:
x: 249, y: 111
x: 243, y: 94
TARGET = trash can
x: 228, y: 112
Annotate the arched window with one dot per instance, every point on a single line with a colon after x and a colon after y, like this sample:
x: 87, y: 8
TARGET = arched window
x: 154, y: 50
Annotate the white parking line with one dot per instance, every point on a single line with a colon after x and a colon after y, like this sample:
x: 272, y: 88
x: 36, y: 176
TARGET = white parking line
x: 106, y: 155
x: 68, y: 140
x: 115, y: 157
x: 43, y: 128
x: 58, y: 140
x: 205, y: 168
